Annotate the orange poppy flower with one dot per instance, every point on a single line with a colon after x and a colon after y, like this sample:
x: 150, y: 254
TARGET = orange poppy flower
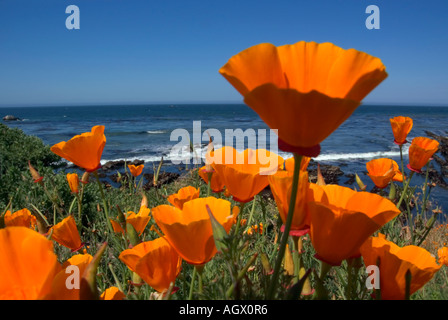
x: 189, y: 230
x: 382, y: 171
x: 343, y: 219
x: 112, y: 293
x: 245, y: 174
x: 66, y: 233
x: 398, y: 174
x: 156, y: 262
x: 136, y: 170
x: 21, y: 218
x: 73, y: 182
x: 443, y: 256
x: 305, y: 90
x: 394, y: 262
x: 137, y: 220
x: 183, y: 195
x: 28, y: 264
x: 289, y: 164
x: 83, y: 150
x: 60, y: 290
x: 216, y: 184
x: 401, y: 126
x: 281, y: 185
x: 420, y: 151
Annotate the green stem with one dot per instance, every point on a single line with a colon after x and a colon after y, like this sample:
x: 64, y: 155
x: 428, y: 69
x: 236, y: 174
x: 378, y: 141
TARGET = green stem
x: 190, y: 296
x: 425, y: 193
x: 402, y: 163
x: 241, y: 275
x: 284, y: 240
x: 199, y: 270
x: 252, y: 211
x: 321, y: 292
x: 210, y: 175
x: 405, y: 189
x: 106, y: 209
x: 117, y: 282
x: 242, y: 204
x: 428, y: 227
x: 78, y: 197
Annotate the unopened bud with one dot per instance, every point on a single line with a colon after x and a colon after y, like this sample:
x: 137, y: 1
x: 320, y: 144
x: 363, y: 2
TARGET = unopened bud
x: 36, y: 176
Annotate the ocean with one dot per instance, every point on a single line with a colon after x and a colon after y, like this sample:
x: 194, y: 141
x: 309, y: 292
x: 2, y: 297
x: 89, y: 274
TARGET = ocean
x: 148, y: 132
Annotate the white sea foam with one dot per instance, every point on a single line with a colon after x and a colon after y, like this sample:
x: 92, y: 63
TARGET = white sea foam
x: 155, y: 131
x: 199, y: 152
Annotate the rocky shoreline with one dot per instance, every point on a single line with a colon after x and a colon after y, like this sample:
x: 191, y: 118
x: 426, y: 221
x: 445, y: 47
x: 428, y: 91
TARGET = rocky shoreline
x: 332, y: 174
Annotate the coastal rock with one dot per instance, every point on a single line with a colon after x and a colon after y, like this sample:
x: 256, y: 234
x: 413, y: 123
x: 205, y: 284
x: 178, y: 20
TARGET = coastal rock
x: 330, y: 173
x: 120, y: 164
x: 351, y: 178
x: 439, y: 176
x: 10, y: 117
x: 164, y: 178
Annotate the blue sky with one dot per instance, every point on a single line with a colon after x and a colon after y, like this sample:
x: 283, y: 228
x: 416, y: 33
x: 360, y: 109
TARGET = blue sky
x: 170, y: 51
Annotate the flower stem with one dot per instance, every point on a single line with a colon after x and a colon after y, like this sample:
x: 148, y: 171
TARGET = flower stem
x: 284, y: 240
x: 402, y: 163
x: 425, y: 193
x: 190, y: 296
x: 106, y: 209
x: 237, y: 227
x: 210, y: 175
x: 252, y: 211
x: 404, y: 190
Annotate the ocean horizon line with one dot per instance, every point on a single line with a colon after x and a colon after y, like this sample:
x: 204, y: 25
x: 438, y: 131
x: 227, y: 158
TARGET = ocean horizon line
x: 187, y: 103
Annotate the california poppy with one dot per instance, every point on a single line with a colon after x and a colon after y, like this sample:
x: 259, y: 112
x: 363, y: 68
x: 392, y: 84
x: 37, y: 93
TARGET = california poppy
x: 66, y: 233
x: 60, y: 290
x: 83, y: 150
x: 73, y: 182
x: 137, y: 220
x: 443, y: 255
x: 401, y: 126
x: 394, y: 262
x: 216, y: 184
x: 343, y: 219
x: 28, y: 264
x: 189, y: 230
x: 183, y: 195
x: 20, y: 218
x: 420, y: 151
x: 281, y: 185
x: 156, y: 262
x: 305, y: 90
x: 112, y: 293
x: 398, y: 174
x: 381, y: 171
x: 136, y: 170
x: 245, y: 174
x: 289, y: 164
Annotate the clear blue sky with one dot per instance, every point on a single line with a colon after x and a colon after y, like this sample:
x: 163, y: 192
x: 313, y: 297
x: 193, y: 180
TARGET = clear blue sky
x: 170, y: 51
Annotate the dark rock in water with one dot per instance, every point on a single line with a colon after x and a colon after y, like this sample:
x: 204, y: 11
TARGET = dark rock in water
x: 120, y: 164
x: 435, y: 176
x: 443, y: 141
x: 164, y: 178
x: 351, y: 178
x: 330, y: 173
x: 11, y: 118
